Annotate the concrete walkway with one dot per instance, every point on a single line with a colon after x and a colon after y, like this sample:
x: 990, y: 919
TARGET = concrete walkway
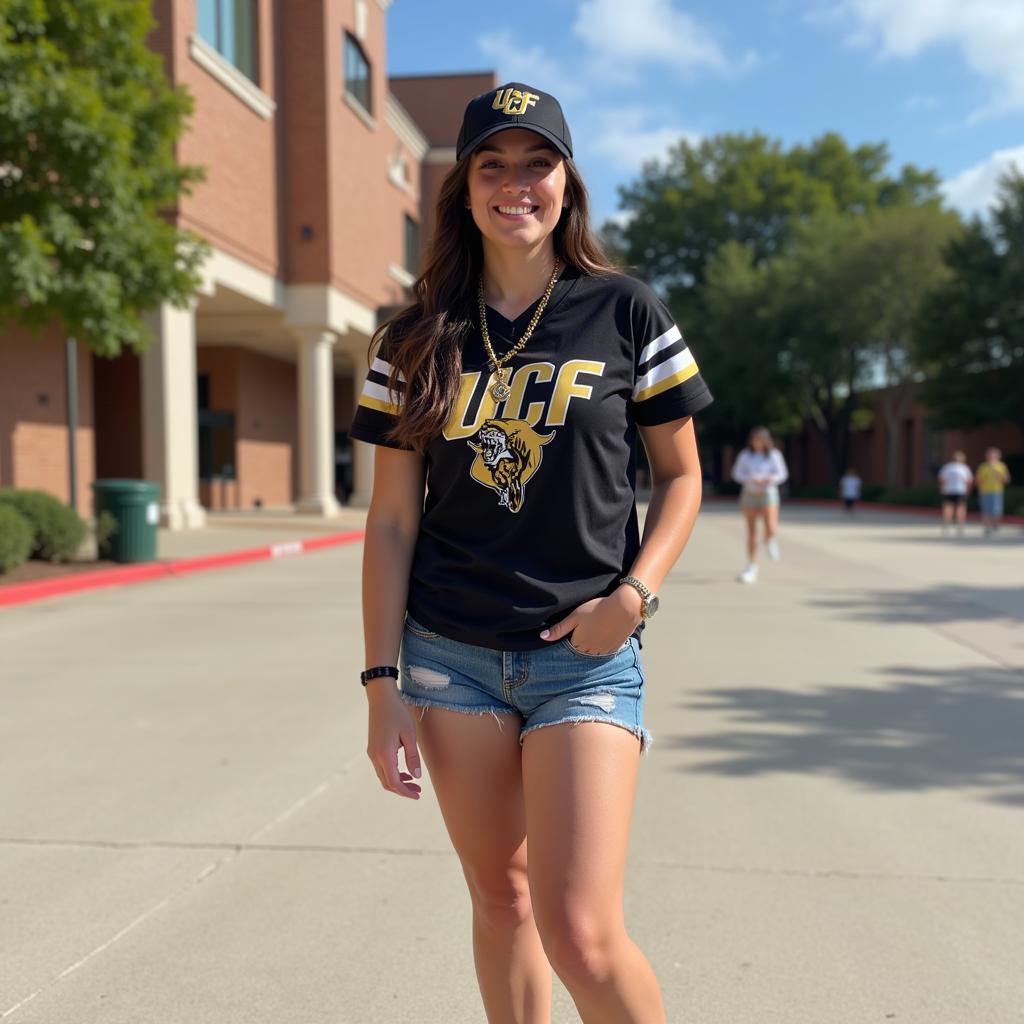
x: 829, y: 828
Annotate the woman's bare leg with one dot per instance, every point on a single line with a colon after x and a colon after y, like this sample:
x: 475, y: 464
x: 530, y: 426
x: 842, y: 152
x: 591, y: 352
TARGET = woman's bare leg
x: 476, y: 770
x: 579, y: 782
x: 751, y: 516
x: 771, y: 522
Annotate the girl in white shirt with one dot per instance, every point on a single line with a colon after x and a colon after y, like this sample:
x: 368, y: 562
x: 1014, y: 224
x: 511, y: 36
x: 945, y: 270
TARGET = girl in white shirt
x: 955, y: 481
x: 760, y: 468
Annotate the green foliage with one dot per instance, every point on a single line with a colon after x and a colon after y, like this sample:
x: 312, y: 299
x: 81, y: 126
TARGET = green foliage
x: 926, y: 497
x: 57, y: 530
x: 969, y: 336
x: 15, y: 538
x: 106, y: 526
x: 791, y: 270
x: 1013, y: 501
x: 88, y: 125
x: 747, y: 189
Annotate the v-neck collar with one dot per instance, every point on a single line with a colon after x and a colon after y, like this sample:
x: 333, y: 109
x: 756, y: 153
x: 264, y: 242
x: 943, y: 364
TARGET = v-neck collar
x: 501, y: 325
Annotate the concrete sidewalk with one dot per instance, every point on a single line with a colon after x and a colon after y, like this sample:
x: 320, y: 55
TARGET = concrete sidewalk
x: 828, y: 830
x: 235, y: 531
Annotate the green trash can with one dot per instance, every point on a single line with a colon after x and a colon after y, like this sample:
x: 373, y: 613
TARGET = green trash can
x: 135, y: 504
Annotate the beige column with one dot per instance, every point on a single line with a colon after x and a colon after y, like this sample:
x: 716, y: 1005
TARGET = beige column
x: 170, y: 432
x: 316, y: 421
x: 362, y: 453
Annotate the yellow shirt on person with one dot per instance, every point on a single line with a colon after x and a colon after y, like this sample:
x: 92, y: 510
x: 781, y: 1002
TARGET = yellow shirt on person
x: 992, y: 477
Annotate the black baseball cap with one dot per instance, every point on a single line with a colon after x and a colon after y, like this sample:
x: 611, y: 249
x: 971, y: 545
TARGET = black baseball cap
x: 513, y: 106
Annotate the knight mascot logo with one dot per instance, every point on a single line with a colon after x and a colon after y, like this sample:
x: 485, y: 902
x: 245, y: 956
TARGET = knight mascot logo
x: 508, y: 453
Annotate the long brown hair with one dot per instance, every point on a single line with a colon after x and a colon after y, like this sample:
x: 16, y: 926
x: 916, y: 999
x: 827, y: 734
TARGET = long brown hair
x: 765, y: 435
x: 424, y: 341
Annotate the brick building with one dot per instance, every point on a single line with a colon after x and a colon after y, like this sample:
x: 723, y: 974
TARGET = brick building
x: 321, y: 178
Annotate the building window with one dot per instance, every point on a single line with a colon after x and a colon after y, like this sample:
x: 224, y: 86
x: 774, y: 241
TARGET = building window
x: 216, y: 436
x: 412, y: 245
x: 357, y: 73
x: 229, y: 26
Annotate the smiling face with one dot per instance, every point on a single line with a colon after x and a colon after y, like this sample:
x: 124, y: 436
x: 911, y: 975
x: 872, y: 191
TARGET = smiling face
x: 516, y: 188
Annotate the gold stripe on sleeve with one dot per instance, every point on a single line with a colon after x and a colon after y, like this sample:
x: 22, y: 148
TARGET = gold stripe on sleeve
x: 669, y: 382
x: 379, y: 405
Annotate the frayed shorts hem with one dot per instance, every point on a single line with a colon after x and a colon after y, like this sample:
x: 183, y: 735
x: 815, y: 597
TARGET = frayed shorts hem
x: 642, y: 734
x: 645, y: 738
x: 425, y: 702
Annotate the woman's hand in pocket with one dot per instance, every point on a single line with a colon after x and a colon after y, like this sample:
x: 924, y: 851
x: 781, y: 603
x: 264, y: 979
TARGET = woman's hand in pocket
x: 602, y: 625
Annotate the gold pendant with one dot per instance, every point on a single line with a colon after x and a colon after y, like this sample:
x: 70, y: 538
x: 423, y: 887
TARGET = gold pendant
x: 500, y: 389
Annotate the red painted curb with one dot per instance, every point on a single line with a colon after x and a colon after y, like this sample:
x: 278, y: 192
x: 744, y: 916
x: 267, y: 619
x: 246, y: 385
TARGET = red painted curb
x: 38, y: 590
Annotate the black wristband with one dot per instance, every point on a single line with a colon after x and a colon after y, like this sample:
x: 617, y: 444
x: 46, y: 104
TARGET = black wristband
x: 377, y: 673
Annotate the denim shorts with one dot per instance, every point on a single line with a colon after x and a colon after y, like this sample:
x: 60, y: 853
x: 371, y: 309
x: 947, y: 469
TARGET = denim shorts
x: 768, y: 498
x: 550, y: 686
x: 991, y: 503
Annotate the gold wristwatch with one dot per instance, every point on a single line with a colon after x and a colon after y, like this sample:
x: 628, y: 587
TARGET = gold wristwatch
x: 650, y: 601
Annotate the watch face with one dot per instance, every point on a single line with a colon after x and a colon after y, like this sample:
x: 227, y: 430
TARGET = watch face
x: 651, y: 606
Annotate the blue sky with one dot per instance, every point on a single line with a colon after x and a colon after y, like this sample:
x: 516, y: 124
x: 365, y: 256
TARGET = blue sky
x: 941, y: 81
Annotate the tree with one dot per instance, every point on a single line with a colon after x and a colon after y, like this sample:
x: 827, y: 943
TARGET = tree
x: 885, y: 271
x: 969, y: 336
x: 799, y: 337
x: 88, y: 124
x: 746, y: 189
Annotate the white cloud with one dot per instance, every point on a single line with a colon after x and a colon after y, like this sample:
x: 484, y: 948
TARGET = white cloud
x: 642, y: 33
x: 622, y: 218
x: 989, y: 33
x: 920, y: 101
x: 630, y: 136
x: 517, y: 62
x: 974, y: 189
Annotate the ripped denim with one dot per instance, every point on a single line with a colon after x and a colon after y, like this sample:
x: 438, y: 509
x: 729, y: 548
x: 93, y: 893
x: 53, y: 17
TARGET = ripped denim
x: 536, y: 688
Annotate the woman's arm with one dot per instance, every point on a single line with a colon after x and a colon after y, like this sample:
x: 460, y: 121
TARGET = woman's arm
x: 601, y: 625
x: 780, y: 471
x: 675, y: 499
x: 740, y: 467
x: 392, y: 525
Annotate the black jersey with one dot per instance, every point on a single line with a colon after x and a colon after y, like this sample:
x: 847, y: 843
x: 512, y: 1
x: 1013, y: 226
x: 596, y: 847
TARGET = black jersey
x: 530, y: 507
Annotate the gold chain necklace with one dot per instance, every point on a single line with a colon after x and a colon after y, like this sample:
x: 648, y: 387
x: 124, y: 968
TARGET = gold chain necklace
x: 499, y: 371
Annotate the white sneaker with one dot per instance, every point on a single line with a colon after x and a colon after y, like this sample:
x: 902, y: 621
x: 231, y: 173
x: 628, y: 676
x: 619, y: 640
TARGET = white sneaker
x: 749, y: 575
x: 773, y: 550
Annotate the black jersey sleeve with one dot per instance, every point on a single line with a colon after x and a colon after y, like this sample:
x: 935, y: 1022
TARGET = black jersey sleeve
x: 667, y: 384
x: 379, y: 406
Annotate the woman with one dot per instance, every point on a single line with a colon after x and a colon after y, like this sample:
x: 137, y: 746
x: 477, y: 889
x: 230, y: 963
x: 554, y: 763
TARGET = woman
x: 992, y: 479
x: 513, y: 388
x: 955, y: 482
x: 759, y: 469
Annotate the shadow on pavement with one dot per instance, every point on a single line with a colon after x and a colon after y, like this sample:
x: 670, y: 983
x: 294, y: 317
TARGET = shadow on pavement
x: 945, y: 603
x: 926, y: 729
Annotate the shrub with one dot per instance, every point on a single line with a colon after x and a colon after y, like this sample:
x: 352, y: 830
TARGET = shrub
x: 926, y: 497
x: 725, y: 488
x: 1013, y: 501
x: 106, y: 526
x: 15, y: 538
x: 816, y: 491
x: 57, y: 529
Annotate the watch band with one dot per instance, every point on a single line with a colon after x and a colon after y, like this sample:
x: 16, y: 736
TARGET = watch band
x: 645, y: 591
x: 378, y: 672
x: 648, y: 598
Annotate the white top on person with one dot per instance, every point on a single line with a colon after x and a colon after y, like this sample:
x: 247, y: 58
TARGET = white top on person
x: 955, y: 478
x: 849, y: 486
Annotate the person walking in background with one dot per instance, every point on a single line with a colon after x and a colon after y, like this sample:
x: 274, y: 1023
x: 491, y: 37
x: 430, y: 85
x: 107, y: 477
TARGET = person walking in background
x: 955, y: 479
x: 992, y: 478
x: 505, y: 580
x: 849, y: 489
x: 759, y: 469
